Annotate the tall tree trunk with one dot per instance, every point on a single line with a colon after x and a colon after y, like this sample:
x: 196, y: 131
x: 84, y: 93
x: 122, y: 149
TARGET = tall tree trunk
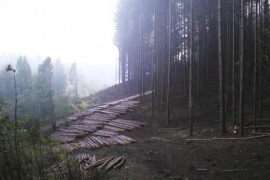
x: 129, y: 69
x: 169, y: 64
x: 191, y: 70
x: 119, y: 65
x: 76, y: 83
x: 241, y: 60
x: 227, y: 58
x: 53, y: 120
x: 261, y: 60
x: 208, y: 41
x: 199, y: 68
x: 255, y: 70
x: 157, y: 48
x: 18, y: 163
x: 185, y: 54
x: 140, y: 50
x: 233, y: 63
x: 153, y: 60
x: 221, y: 87
x: 164, y: 52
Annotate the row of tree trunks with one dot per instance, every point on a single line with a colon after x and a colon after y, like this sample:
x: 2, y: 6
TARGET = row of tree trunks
x: 199, y: 46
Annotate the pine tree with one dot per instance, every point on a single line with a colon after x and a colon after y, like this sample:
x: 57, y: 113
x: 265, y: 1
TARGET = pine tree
x: 24, y: 85
x: 72, y: 77
x: 59, y: 77
x: 44, y: 91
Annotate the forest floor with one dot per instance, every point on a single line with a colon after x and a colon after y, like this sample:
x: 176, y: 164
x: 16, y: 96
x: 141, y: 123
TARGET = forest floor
x: 168, y: 152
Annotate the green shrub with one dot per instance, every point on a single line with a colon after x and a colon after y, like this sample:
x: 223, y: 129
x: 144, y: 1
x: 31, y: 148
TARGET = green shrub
x: 62, y: 105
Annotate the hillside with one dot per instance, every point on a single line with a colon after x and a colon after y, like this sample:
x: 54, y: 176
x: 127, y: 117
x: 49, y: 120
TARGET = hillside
x: 168, y: 152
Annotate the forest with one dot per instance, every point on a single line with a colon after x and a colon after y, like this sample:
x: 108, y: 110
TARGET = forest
x: 44, y: 96
x: 191, y: 102
x: 198, y: 47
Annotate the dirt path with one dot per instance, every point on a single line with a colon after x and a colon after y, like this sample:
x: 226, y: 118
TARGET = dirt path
x: 164, y: 153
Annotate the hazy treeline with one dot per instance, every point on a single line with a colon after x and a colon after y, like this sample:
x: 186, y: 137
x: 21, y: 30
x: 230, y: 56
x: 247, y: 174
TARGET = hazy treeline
x: 42, y: 95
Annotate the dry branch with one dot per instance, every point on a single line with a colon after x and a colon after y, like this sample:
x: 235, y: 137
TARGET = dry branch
x: 244, y: 138
x: 234, y: 170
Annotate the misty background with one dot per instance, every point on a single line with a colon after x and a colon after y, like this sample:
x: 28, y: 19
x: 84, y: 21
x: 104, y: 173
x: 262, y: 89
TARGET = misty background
x: 71, y: 31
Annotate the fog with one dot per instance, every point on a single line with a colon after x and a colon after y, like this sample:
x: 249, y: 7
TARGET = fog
x: 73, y: 31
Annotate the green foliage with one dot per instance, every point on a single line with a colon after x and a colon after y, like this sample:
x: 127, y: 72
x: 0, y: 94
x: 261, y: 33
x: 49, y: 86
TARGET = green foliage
x: 24, y: 76
x: 13, y: 167
x: 43, y: 88
x: 24, y: 80
x: 72, y: 77
x: 6, y: 86
x: 34, y: 151
x: 62, y: 106
x: 59, y: 77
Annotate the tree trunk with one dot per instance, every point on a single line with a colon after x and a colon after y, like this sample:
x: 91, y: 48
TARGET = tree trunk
x: 241, y: 60
x: 153, y: 60
x: 233, y: 63
x: 169, y: 64
x: 221, y: 87
x: 255, y: 70
x: 227, y: 58
x: 140, y: 51
x: 191, y: 69
x: 199, y: 69
x: 164, y: 52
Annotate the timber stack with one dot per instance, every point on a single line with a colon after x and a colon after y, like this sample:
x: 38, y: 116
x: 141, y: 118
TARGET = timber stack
x: 87, y: 162
x: 94, y: 142
x: 101, y: 124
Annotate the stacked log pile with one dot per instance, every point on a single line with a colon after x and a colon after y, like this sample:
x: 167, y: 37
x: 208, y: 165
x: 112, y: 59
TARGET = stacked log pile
x: 99, y: 120
x: 108, y: 163
x: 125, y: 124
x: 94, y: 142
x: 87, y: 163
x: 69, y: 134
x: 101, y: 123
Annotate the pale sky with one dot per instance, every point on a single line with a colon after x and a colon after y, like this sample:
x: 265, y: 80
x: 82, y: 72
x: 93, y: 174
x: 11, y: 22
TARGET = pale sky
x: 79, y: 31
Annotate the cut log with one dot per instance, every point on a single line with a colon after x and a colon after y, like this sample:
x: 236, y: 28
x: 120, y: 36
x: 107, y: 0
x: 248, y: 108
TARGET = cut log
x: 120, y: 164
x: 100, y: 162
x: 100, y: 144
x: 120, y: 125
x: 119, y: 141
x: 107, y: 143
x: 116, y: 129
x: 93, y: 144
x: 113, y: 163
x: 97, y: 119
x: 85, y: 145
x: 80, y: 133
x: 127, y: 138
x: 110, y: 113
x: 105, y: 133
x: 98, y: 140
x: 105, y: 163
x: 131, y: 122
